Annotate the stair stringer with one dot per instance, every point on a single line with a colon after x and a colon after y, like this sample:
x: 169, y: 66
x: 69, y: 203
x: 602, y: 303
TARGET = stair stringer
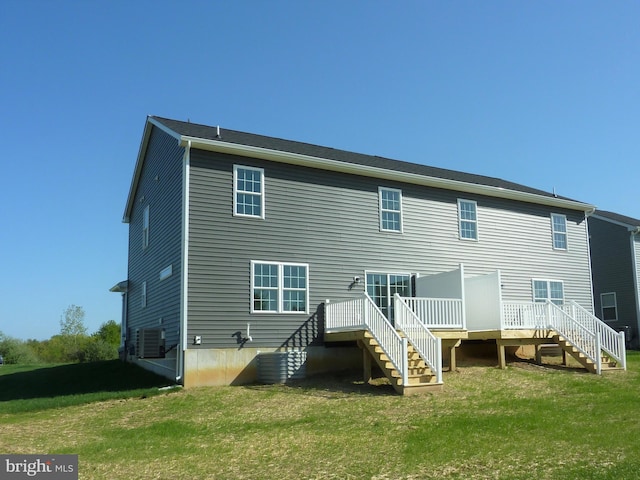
x: 420, y: 377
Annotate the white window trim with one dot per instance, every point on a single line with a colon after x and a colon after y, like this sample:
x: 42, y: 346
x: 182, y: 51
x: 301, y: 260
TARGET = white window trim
x: 280, y: 288
x: 235, y: 191
x: 615, y: 305
x: 381, y: 210
x: 145, y: 227
x: 143, y: 297
x: 460, y: 220
x: 565, y: 233
x: 548, y: 281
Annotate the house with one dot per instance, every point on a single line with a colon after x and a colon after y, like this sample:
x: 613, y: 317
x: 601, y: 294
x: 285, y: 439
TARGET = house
x: 242, y: 245
x: 615, y: 264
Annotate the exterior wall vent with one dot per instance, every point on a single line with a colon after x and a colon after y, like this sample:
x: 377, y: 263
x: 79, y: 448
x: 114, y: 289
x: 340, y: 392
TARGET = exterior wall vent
x: 150, y: 343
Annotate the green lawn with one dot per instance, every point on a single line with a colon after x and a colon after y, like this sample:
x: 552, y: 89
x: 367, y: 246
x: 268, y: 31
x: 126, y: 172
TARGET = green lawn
x: 525, y: 422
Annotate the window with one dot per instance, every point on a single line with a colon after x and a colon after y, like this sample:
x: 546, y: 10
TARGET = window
x: 544, y: 290
x: 248, y: 191
x: 390, y: 209
x: 145, y: 227
x: 166, y: 272
x: 143, y: 302
x: 609, y: 306
x: 381, y: 287
x: 468, y: 219
x: 559, y: 231
x: 279, y: 287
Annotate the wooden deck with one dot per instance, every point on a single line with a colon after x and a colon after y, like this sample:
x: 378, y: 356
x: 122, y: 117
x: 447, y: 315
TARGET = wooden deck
x: 452, y: 339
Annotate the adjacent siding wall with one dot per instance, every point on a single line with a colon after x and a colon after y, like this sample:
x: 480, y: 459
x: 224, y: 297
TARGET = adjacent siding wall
x: 330, y: 221
x: 612, y: 265
x: 160, y: 187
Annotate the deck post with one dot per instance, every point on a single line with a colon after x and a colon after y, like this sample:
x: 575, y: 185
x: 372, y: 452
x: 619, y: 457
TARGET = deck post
x: 366, y: 365
x: 538, y: 353
x: 452, y: 358
x: 502, y: 357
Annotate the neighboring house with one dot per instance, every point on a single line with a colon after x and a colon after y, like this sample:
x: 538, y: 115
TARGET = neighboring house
x: 615, y: 263
x: 241, y: 244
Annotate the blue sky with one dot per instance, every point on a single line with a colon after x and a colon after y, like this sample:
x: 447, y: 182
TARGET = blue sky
x: 541, y: 93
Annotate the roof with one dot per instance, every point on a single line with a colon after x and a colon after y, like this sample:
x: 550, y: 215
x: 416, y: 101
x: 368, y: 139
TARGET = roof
x: 276, y: 149
x: 629, y: 222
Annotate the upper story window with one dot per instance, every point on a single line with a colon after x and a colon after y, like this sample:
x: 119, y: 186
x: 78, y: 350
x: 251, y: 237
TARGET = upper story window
x: 544, y: 290
x: 279, y: 287
x: 468, y: 219
x: 559, y: 231
x: 248, y: 191
x: 145, y: 227
x: 390, y: 209
x: 609, y: 305
x: 143, y: 295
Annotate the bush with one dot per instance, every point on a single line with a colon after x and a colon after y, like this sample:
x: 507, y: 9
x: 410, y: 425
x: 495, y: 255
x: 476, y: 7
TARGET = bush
x: 16, y: 351
x: 97, y: 350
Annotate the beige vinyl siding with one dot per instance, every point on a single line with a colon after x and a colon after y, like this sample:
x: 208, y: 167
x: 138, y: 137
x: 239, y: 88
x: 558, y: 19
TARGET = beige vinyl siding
x: 160, y: 187
x: 330, y: 221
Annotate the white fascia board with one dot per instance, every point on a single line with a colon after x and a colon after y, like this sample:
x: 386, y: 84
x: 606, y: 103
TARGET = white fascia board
x: 142, y: 151
x: 376, y: 172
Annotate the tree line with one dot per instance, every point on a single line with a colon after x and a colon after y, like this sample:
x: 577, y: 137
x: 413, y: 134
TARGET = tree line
x: 72, y: 344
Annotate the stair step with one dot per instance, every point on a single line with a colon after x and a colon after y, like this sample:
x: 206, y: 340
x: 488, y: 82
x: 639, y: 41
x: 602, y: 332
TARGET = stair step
x: 422, y: 388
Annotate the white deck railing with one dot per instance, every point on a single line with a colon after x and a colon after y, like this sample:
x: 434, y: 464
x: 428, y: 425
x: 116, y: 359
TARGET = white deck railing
x: 363, y: 314
x: 438, y: 313
x: 524, y: 315
x: 584, y: 331
x: 585, y: 340
x: 426, y: 344
x: 612, y: 342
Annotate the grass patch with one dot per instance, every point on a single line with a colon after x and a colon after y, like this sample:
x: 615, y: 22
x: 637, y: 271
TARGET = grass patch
x: 30, y: 388
x: 520, y: 423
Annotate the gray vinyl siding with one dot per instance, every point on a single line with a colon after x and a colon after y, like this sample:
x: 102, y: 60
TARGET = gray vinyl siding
x: 160, y: 187
x: 613, y: 270
x: 330, y: 221
x: 636, y: 249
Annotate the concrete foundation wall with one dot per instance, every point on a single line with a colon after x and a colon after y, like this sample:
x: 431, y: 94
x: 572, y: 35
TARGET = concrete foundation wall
x: 232, y: 366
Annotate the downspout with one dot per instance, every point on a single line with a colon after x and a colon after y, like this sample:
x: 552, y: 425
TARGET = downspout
x: 182, y: 342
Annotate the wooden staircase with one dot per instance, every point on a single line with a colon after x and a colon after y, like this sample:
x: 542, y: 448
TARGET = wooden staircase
x: 607, y: 363
x: 420, y: 377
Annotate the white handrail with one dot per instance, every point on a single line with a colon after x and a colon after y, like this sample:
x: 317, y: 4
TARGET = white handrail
x: 426, y: 344
x: 585, y: 340
x: 363, y: 314
x: 613, y: 343
x: 438, y: 313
